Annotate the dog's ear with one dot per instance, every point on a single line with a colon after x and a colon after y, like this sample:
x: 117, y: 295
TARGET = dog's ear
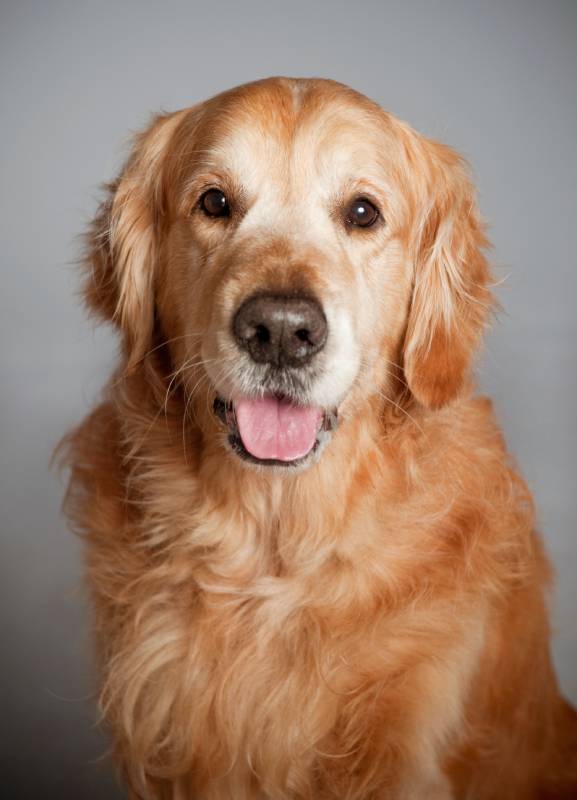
x: 451, y: 296
x: 122, y: 241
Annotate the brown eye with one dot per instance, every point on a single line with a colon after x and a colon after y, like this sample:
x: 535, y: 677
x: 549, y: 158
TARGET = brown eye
x: 214, y: 203
x: 362, y: 213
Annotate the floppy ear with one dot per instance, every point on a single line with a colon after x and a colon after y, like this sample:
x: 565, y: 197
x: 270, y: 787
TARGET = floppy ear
x: 451, y: 296
x: 123, y: 241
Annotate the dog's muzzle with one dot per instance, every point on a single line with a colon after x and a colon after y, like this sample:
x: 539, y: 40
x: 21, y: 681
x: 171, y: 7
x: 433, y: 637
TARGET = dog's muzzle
x: 282, y: 334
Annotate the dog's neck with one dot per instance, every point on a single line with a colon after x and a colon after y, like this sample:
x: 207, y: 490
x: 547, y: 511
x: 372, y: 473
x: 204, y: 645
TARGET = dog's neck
x: 273, y: 519
x: 282, y: 524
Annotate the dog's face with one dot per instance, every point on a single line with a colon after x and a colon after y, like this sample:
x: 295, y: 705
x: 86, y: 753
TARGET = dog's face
x: 286, y: 249
x: 300, y: 251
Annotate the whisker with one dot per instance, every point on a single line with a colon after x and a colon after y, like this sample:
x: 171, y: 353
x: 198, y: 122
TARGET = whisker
x: 401, y: 409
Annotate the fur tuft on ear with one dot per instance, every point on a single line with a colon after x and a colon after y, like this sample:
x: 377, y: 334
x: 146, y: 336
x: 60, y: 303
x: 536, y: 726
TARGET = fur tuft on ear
x: 122, y: 241
x: 451, y: 295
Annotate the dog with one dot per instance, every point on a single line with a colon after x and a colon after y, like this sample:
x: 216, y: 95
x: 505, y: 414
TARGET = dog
x: 313, y: 565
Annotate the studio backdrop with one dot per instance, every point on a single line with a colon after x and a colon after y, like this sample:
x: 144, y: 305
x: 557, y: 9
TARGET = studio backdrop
x: 496, y: 80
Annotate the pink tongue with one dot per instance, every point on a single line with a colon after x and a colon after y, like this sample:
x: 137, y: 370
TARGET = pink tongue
x: 277, y: 429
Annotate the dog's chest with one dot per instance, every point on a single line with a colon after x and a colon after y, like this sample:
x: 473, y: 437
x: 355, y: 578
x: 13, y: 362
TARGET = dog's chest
x: 291, y: 663
x: 290, y: 683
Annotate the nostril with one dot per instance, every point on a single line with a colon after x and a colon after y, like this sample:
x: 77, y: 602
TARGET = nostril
x: 262, y: 333
x: 302, y: 334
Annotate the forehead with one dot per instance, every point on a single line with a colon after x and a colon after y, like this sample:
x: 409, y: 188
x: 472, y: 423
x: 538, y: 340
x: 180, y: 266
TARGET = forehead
x: 288, y: 129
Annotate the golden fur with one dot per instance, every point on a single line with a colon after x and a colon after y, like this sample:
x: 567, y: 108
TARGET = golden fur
x: 374, y: 626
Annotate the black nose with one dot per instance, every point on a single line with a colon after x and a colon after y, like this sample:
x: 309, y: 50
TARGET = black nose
x: 281, y: 330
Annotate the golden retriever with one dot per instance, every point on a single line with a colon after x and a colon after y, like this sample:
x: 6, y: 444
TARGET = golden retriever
x: 313, y: 566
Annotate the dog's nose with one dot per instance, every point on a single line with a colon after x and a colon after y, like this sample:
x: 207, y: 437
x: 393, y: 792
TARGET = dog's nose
x: 280, y: 329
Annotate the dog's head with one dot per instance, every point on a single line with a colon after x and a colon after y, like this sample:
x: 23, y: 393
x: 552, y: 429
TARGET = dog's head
x: 299, y: 251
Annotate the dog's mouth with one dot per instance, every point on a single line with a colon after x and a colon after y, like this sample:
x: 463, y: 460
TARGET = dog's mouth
x: 273, y: 430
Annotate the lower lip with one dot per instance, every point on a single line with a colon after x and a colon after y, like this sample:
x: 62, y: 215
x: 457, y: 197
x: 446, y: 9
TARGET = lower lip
x: 237, y: 445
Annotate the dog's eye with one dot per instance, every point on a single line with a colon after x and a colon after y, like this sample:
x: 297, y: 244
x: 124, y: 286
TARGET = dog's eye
x: 214, y: 203
x: 362, y: 213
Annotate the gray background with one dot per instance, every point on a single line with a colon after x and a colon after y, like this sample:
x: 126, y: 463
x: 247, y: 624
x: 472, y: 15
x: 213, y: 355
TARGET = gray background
x: 495, y: 79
